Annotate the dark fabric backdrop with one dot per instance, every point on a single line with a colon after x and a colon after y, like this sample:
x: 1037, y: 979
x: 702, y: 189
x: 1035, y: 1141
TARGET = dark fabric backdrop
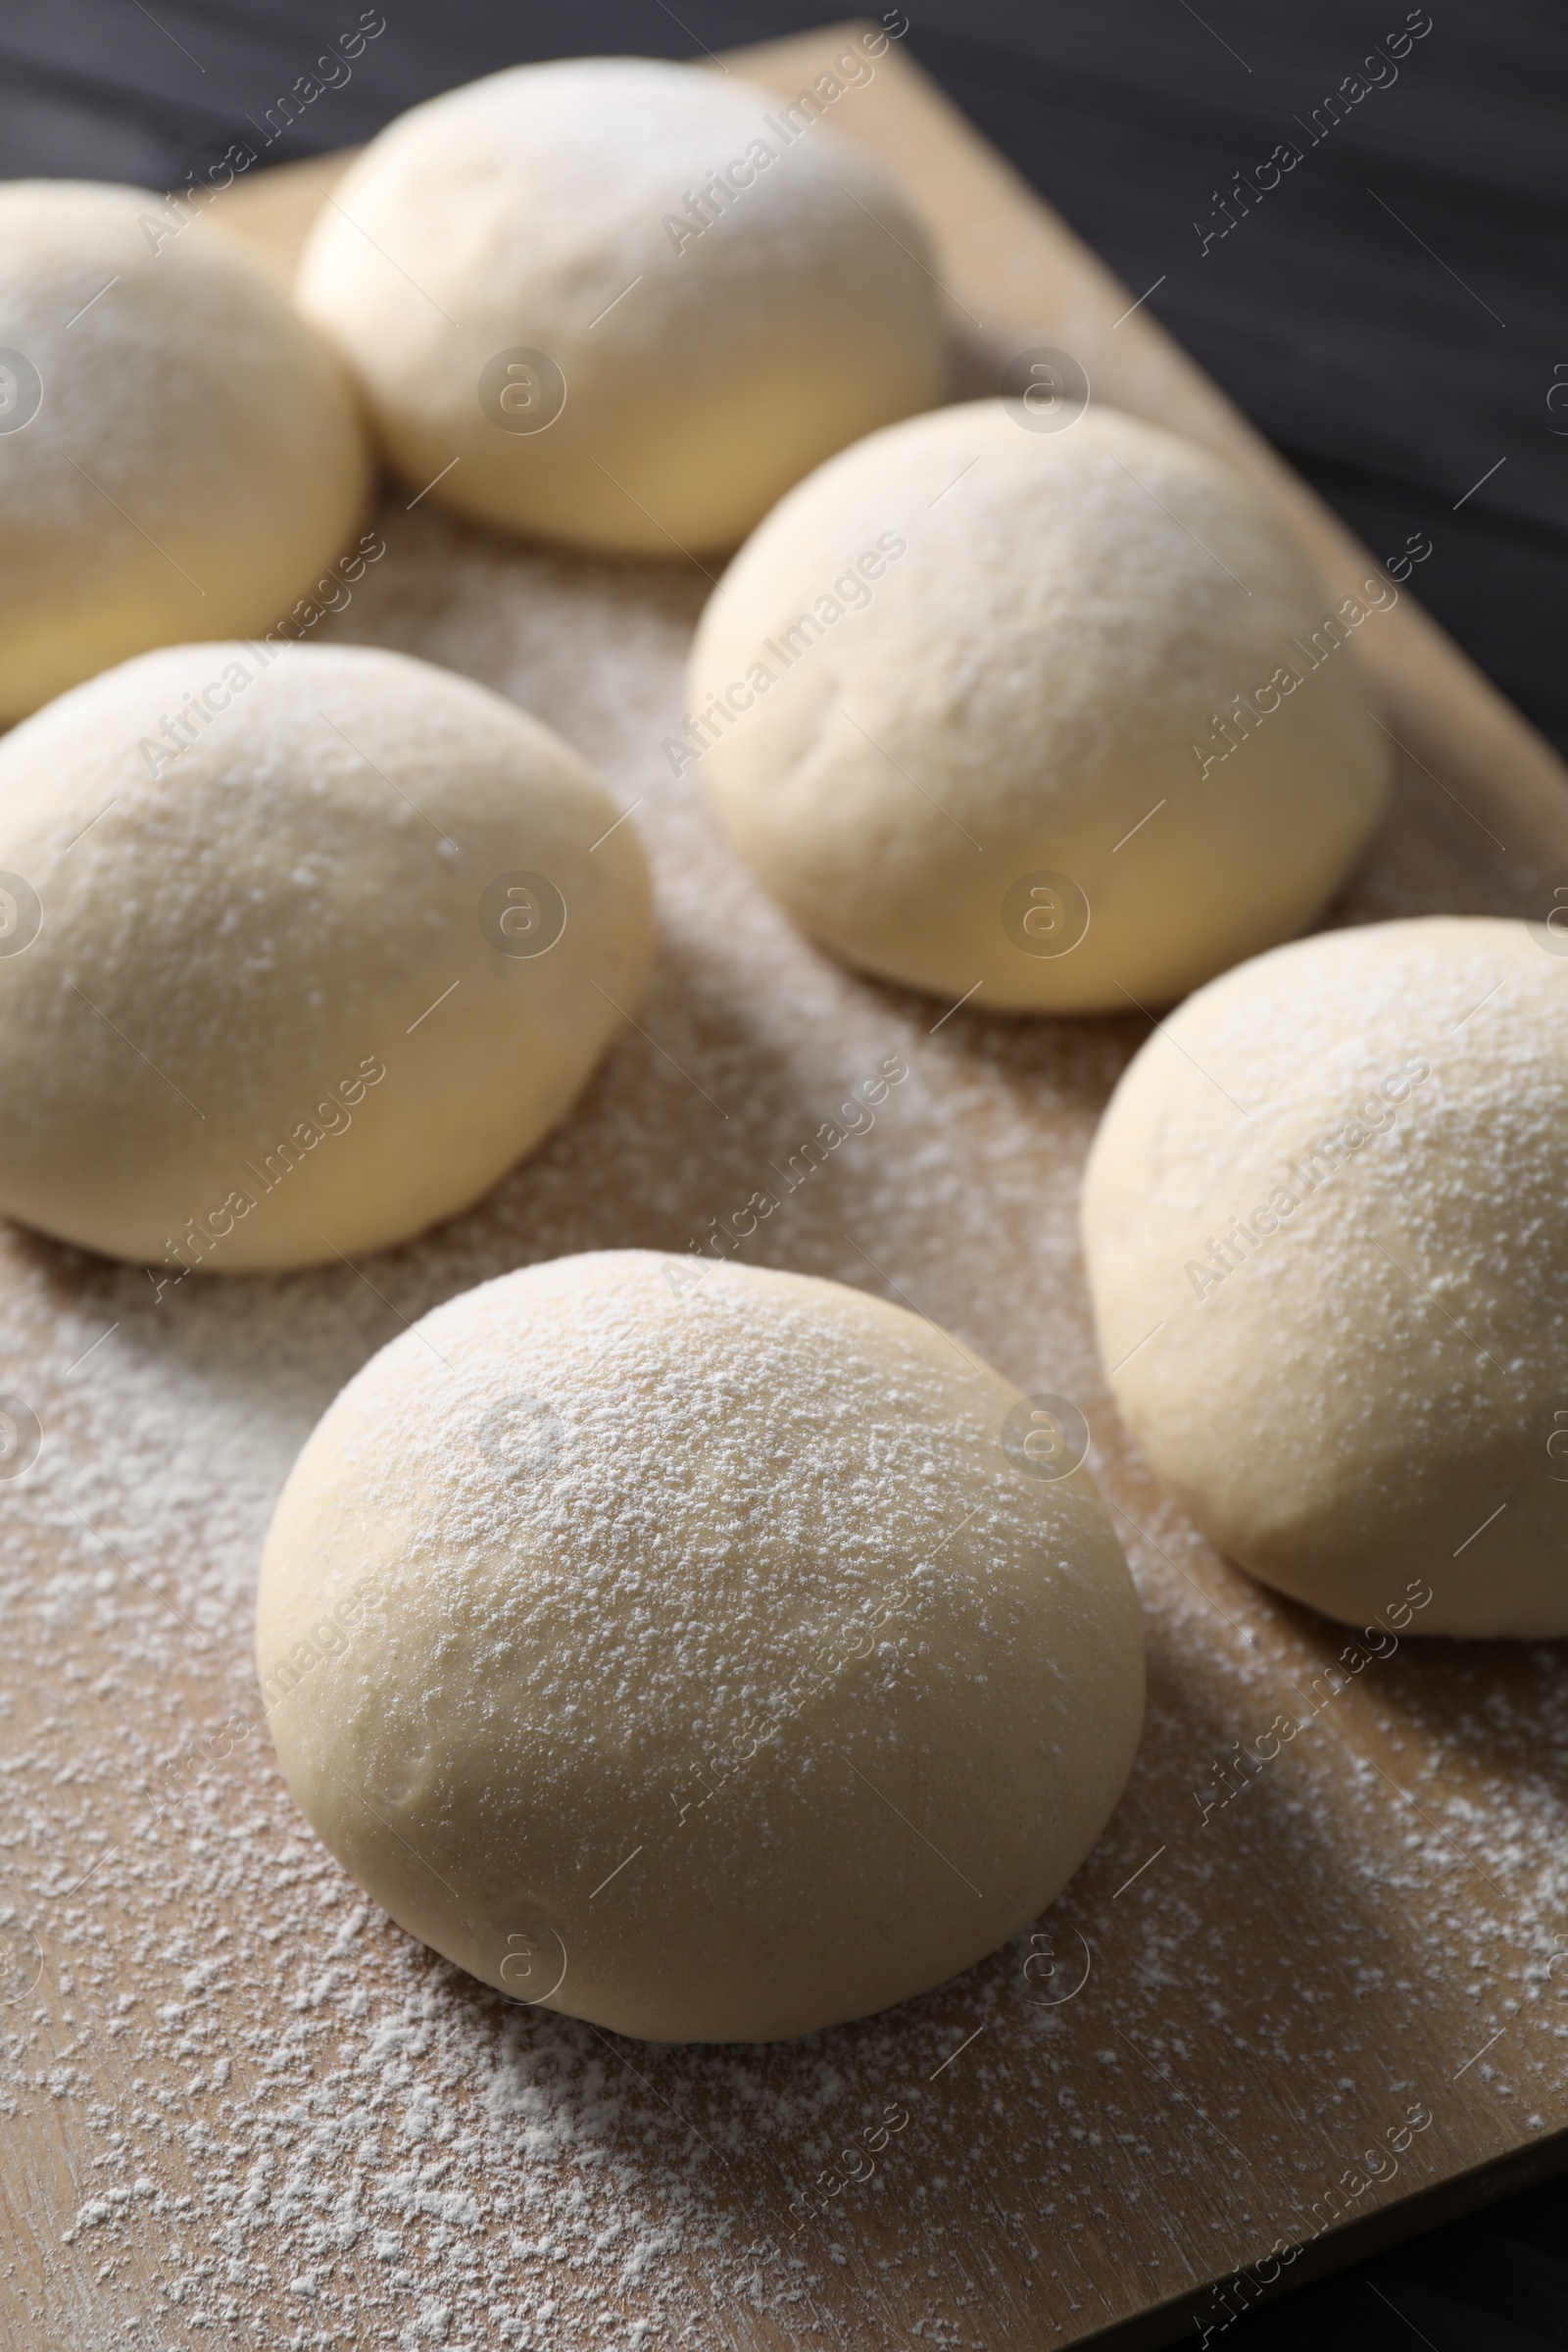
x: 1391, y: 316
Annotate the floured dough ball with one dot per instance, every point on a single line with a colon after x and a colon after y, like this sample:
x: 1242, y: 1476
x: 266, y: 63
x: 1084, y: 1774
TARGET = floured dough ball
x: 179, y: 452
x: 1035, y: 715
x: 1324, y: 1225
x: 295, y: 959
x: 704, y: 1651
x: 621, y: 303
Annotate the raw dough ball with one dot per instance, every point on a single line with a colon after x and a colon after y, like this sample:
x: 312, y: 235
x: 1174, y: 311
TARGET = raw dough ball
x: 179, y: 452
x: 1324, y: 1225
x: 521, y: 274
x: 320, y: 980
x: 696, y: 1650
x: 955, y: 698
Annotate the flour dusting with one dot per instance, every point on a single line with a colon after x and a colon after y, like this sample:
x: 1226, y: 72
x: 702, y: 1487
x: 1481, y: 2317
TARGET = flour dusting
x: 248, y: 2110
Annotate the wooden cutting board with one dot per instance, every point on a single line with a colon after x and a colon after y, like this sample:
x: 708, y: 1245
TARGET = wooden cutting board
x: 1300, y: 1997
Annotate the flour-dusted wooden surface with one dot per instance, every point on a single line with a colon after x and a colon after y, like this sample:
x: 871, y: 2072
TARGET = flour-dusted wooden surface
x: 242, y: 2108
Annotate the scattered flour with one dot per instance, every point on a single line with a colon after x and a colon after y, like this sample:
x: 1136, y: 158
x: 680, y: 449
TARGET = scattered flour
x: 243, y: 2109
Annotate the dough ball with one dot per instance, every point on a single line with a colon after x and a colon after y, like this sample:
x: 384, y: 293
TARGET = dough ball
x: 697, y: 1650
x: 958, y: 704
x: 308, y: 982
x: 625, y: 303
x: 1323, y: 1226
x: 179, y: 452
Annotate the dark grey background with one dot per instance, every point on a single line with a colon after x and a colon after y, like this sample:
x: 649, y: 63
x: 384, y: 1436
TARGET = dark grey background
x: 1395, y: 360
x: 1391, y: 316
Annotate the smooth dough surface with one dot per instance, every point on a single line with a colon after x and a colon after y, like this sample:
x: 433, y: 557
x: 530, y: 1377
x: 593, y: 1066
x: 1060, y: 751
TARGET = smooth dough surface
x: 703, y: 368
x: 948, y: 697
x: 685, y: 1649
x: 203, y: 970
x: 180, y: 454
x: 1324, y: 1224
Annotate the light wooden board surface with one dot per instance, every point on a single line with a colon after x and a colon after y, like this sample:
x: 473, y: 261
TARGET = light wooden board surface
x: 242, y: 2108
